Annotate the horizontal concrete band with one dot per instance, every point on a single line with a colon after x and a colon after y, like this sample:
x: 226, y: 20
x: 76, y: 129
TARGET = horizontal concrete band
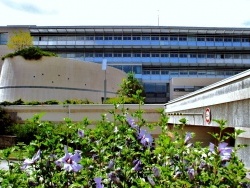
x: 50, y: 87
x: 219, y: 99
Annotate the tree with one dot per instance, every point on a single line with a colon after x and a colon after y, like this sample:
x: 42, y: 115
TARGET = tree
x: 130, y: 86
x: 20, y: 40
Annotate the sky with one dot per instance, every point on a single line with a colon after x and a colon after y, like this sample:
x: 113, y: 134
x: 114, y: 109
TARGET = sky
x: 198, y: 13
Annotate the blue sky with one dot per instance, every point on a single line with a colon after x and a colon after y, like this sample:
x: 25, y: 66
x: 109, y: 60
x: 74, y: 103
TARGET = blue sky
x: 201, y: 13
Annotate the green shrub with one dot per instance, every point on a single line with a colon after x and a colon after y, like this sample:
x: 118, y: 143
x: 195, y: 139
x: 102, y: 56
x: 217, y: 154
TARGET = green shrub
x: 5, y: 121
x: 77, y: 101
x: 30, y: 53
x: 50, y: 102
x: 119, y: 100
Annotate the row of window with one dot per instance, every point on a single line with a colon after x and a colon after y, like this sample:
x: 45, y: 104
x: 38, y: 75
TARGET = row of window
x: 153, y: 38
x: 189, y: 72
x: 163, y: 55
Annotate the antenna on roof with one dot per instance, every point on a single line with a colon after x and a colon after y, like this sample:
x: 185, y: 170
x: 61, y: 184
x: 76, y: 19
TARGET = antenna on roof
x: 158, y: 18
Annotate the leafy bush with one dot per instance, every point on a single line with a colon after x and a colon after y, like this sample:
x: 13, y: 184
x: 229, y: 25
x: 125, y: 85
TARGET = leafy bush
x: 120, y: 152
x: 117, y: 100
x: 51, y: 102
x: 5, y: 121
x: 77, y: 101
x: 30, y: 53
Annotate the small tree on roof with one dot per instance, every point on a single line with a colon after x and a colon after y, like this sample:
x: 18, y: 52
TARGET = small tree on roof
x: 20, y: 40
x: 130, y: 86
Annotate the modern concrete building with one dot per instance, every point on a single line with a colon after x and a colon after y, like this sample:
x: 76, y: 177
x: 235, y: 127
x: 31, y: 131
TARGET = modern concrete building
x: 156, y: 54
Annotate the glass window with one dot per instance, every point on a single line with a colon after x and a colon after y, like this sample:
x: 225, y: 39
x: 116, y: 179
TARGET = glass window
x: 107, y: 54
x: 137, y: 69
x: 3, y: 38
x: 108, y: 38
x: 192, y: 72
x: 218, y: 39
x: 79, y: 38
x: 145, y: 38
x: 245, y: 40
x: 173, y: 38
x: 200, y: 38
x: 126, y: 54
x: 210, y: 39
x: 201, y: 55
x: 174, y: 73
x: 127, y: 68
x: 183, y: 72
x: 227, y: 39
x: 164, y: 54
x: 154, y: 38
x: 210, y: 55
x: 146, y: 72
x: 155, y: 71
x: 117, y: 54
x: 236, y: 39
x: 145, y: 54
x: 228, y: 56
x: 98, y: 55
x: 182, y: 38
x: 155, y: 55
x: 89, y: 55
x: 237, y: 56
x: 52, y: 38
x: 164, y: 72
x: 173, y: 55
x: 193, y: 55
x: 164, y: 38
x: 137, y: 55
x: 117, y: 38
x: 183, y: 55
x: 136, y: 38
x: 98, y: 37
x: 89, y: 38
x: 71, y: 38
x: 126, y: 37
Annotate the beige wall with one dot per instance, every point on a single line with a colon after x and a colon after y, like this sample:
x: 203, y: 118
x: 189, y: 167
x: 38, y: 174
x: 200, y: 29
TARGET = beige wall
x: 56, y: 78
x: 186, y: 82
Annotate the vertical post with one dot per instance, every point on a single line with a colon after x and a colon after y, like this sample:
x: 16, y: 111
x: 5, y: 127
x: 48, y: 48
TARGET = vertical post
x: 104, y: 67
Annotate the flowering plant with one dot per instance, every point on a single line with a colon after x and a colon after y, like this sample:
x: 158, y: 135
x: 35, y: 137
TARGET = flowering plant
x: 122, y: 153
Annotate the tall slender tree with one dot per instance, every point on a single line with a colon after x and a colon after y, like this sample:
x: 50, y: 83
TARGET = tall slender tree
x: 20, y: 40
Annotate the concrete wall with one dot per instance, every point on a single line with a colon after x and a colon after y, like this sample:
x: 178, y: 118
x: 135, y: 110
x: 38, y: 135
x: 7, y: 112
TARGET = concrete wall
x: 228, y: 99
x: 188, y: 83
x: 56, y: 78
x: 57, y: 113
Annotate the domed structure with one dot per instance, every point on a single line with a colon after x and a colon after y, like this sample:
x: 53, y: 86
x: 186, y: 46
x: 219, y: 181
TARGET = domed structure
x: 54, y: 78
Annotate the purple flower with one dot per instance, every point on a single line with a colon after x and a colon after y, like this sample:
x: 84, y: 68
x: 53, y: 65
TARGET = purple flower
x: 145, y: 138
x: 188, y: 136
x: 156, y: 171
x: 191, y: 173
x: 28, y: 162
x: 137, y: 165
x: 224, y: 151
x: 113, y: 177
x: 111, y: 164
x: 80, y: 133
x: 151, y: 181
x: 69, y: 162
x: 98, y: 182
x: 132, y: 123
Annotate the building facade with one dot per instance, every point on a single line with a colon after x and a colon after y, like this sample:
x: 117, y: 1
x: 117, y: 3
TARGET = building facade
x: 156, y: 54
